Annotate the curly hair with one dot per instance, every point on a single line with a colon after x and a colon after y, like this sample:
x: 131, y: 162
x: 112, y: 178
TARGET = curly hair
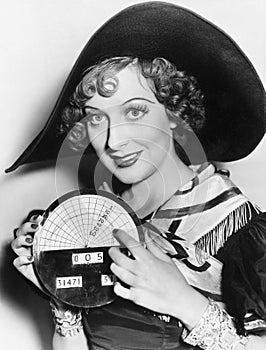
x: 175, y: 89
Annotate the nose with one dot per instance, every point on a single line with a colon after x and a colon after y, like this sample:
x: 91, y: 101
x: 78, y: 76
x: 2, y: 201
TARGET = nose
x: 117, y: 135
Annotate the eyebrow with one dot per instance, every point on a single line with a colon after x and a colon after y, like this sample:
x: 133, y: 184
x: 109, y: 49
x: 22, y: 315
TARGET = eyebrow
x: 124, y: 103
x: 137, y: 98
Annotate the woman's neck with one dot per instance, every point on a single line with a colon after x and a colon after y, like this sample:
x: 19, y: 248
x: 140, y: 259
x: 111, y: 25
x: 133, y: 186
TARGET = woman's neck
x: 148, y: 195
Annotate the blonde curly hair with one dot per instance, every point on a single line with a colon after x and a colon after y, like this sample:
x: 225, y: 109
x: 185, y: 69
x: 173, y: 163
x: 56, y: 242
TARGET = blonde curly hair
x: 175, y: 89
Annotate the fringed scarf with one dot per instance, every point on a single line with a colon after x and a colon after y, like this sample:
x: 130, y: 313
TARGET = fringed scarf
x: 196, y: 222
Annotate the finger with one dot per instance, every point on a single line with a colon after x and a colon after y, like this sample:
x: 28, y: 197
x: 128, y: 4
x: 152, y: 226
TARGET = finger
x: 121, y: 259
x: 157, y: 251
x: 28, y: 227
x: 124, y: 275
x: 23, y: 260
x: 129, y: 242
x: 24, y: 265
x: 22, y: 241
x: 36, y: 218
x: 126, y: 293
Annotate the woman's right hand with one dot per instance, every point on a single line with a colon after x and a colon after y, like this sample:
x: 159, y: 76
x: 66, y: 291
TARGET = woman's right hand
x: 22, y: 246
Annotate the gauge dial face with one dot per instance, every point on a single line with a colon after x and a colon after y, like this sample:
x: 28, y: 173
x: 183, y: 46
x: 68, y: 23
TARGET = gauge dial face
x: 71, y: 249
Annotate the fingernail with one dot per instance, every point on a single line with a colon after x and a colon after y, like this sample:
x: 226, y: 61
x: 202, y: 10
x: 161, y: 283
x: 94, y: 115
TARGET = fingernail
x: 34, y: 226
x: 115, y: 230
x: 28, y: 239
x: 30, y: 258
x: 34, y: 217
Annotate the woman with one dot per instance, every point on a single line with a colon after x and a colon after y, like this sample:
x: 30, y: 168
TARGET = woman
x: 130, y: 97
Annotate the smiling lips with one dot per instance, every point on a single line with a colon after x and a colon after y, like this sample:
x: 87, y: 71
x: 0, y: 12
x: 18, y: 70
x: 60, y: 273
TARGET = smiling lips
x: 127, y: 160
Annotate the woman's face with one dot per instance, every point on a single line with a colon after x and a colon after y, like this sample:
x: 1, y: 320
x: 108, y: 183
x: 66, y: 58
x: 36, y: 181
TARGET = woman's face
x: 130, y: 130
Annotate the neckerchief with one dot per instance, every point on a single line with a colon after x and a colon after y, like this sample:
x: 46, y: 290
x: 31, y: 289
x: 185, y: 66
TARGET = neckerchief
x: 196, y: 222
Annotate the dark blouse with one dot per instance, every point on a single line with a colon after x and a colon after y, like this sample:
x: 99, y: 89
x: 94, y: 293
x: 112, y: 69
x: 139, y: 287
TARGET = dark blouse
x: 124, y: 325
x: 244, y: 274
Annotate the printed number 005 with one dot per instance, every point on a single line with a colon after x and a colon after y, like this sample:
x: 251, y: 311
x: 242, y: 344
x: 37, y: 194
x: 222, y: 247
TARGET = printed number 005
x: 87, y: 258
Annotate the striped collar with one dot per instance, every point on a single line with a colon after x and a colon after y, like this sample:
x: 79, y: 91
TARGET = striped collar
x: 196, y: 222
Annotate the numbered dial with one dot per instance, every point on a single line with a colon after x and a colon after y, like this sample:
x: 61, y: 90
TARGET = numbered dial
x: 84, y: 221
x: 71, y: 248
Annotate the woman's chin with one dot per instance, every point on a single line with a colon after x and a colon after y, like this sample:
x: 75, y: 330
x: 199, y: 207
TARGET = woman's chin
x: 127, y: 180
x: 127, y: 177
x: 131, y: 176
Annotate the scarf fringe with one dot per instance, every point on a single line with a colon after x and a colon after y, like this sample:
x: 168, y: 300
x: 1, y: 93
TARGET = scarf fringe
x: 212, y: 241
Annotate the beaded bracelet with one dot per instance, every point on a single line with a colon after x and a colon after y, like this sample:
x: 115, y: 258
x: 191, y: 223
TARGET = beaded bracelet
x: 215, y: 331
x: 67, y: 322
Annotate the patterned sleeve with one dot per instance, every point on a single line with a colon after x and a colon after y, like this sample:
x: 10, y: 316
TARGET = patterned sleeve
x: 244, y: 275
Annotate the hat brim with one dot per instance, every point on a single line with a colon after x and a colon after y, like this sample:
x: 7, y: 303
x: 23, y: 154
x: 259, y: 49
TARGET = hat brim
x: 234, y: 94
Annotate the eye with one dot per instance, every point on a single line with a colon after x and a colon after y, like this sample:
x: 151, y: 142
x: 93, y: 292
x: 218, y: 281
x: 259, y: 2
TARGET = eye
x: 97, y: 119
x: 136, y: 112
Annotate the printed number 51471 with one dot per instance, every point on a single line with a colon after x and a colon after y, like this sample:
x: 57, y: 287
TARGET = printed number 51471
x: 68, y: 282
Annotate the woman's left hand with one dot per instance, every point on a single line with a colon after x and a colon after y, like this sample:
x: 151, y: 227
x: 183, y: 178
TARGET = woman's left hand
x: 154, y: 281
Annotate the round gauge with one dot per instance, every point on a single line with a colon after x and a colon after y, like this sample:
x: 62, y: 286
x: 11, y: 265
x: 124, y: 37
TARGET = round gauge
x: 71, y: 248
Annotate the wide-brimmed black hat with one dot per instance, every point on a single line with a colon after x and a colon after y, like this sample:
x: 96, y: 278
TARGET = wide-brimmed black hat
x: 234, y: 95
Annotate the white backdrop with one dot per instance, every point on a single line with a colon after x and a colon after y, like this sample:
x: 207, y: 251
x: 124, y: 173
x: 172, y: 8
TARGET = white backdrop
x: 39, y: 42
